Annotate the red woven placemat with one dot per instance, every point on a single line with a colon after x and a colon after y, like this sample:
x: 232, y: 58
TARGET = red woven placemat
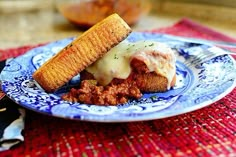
x: 14, y: 52
x: 207, y: 132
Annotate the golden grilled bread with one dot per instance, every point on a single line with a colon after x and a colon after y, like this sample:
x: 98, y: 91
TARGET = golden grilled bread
x: 82, y: 52
x: 146, y: 82
x: 149, y: 81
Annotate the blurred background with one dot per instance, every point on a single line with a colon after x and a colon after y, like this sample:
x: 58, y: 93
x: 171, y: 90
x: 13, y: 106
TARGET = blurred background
x: 24, y: 22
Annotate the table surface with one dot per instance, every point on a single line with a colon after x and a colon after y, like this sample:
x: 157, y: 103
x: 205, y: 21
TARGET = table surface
x: 45, y: 25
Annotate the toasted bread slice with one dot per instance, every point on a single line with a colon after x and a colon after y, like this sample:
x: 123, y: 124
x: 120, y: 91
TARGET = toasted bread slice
x: 146, y: 81
x: 151, y: 82
x: 82, y: 52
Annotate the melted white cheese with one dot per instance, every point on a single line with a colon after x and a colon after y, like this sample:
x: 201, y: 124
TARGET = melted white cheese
x: 157, y: 56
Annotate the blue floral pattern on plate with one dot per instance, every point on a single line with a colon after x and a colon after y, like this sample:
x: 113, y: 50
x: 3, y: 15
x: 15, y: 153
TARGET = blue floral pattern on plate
x: 197, y: 85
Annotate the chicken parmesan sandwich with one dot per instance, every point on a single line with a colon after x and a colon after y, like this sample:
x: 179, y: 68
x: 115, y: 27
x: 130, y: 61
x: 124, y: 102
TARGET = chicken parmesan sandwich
x: 112, y: 69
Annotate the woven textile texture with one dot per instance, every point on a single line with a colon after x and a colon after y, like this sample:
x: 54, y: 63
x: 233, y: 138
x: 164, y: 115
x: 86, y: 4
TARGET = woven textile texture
x: 210, y: 131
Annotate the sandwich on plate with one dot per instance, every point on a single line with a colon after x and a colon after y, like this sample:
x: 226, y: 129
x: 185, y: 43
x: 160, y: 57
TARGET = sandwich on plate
x: 112, y: 69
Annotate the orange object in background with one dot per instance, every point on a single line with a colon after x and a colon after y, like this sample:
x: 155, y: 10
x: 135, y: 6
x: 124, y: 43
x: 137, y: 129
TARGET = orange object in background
x: 86, y: 13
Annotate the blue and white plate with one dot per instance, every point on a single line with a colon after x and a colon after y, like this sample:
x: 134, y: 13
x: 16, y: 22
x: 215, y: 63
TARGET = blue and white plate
x: 197, y: 85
